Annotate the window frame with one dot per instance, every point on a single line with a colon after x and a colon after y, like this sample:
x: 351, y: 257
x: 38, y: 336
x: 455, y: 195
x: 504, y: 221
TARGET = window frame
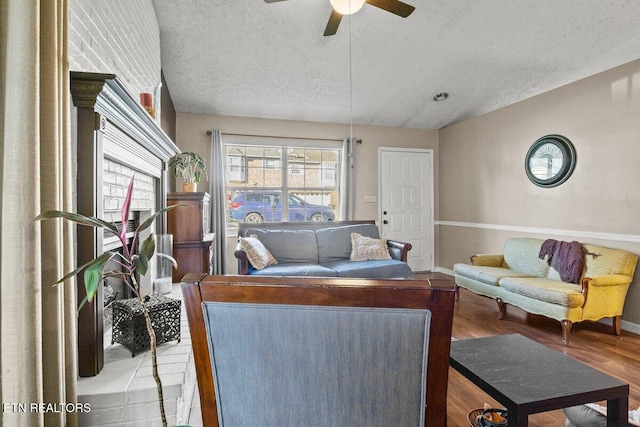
x: 286, y: 146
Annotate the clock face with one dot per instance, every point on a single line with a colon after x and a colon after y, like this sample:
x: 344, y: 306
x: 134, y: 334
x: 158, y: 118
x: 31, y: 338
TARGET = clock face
x: 550, y: 161
x: 546, y: 161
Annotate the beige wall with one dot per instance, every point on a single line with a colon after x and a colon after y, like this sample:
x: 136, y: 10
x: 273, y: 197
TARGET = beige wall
x: 191, y: 136
x: 486, y: 196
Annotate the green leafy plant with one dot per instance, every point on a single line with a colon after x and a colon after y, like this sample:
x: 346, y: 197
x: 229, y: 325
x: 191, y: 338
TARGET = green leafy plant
x: 133, y: 261
x: 190, y: 166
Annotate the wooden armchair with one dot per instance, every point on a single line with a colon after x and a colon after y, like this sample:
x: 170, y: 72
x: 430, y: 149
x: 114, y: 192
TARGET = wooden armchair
x: 291, y: 351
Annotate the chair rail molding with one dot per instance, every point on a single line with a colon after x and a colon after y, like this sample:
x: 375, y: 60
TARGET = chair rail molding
x: 615, y: 237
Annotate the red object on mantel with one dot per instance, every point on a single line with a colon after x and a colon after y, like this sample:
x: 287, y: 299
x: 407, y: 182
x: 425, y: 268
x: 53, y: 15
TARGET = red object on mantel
x: 146, y: 99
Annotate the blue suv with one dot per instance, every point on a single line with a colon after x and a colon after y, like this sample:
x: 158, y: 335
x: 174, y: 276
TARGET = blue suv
x: 260, y: 206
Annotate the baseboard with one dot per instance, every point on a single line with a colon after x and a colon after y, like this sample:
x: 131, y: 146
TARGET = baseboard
x: 634, y: 328
x: 625, y: 325
x: 444, y: 271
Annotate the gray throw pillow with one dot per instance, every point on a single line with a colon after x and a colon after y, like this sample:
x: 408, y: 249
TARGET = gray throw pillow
x: 584, y: 416
x: 334, y: 243
x: 593, y: 415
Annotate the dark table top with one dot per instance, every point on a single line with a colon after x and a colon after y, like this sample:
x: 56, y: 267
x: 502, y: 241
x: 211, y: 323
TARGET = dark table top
x: 517, y: 371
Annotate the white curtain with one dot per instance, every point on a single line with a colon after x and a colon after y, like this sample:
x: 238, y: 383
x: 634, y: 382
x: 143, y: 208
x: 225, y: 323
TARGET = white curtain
x: 347, y: 181
x: 38, y: 320
x: 218, y: 202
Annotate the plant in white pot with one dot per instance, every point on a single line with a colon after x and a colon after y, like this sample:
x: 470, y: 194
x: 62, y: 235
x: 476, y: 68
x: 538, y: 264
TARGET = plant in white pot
x: 133, y: 261
x: 191, y: 167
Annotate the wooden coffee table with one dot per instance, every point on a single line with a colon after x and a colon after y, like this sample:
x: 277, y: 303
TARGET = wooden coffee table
x: 527, y: 377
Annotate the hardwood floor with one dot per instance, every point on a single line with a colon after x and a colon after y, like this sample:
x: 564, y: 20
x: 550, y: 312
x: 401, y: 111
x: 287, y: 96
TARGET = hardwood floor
x: 590, y: 342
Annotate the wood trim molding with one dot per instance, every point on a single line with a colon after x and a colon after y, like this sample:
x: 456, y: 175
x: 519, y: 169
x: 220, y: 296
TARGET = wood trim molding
x: 110, y: 122
x: 633, y: 238
x: 108, y: 96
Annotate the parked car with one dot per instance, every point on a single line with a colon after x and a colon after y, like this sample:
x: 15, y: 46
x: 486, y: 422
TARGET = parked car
x: 260, y: 206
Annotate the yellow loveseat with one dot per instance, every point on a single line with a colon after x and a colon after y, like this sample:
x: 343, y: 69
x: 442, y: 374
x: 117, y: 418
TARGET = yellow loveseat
x: 519, y: 277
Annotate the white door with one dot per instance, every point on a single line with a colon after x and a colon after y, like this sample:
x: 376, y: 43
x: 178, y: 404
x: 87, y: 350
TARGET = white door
x: 406, y: 201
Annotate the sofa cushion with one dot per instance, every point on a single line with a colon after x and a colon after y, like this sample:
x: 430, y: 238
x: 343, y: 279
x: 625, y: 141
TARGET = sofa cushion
x: 296, y: 269
x: 257, y: 254
x: 521, y: 254
x: 334, y: 243
x: 552, y: 291
x: 289, y: 245
x: 378, y: 269
x: 488, y: 275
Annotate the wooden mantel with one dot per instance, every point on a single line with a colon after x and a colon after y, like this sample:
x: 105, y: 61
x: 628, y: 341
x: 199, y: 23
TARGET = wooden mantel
x: 108, y: 112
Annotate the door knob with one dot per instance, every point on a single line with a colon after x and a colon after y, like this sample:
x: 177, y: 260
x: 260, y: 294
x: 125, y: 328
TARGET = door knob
x: 384, y: 213
x: 385, y: 222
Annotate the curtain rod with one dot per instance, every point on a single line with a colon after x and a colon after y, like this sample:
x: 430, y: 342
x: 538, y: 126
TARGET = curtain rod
x: 359, y: 141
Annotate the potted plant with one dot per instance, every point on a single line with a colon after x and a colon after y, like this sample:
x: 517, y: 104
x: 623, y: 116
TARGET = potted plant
x: 191, y: 167
x: 132, y: 262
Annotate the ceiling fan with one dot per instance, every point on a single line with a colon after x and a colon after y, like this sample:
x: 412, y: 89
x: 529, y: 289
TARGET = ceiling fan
x: 349, y: 7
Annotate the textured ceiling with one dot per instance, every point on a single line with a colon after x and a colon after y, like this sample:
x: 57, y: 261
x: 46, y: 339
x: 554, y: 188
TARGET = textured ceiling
x: 250, y: 58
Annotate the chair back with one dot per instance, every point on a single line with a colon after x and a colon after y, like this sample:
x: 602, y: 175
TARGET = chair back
x: 320, y: 352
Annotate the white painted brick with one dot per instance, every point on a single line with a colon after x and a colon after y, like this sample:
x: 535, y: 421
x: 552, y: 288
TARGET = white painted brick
x: 105, y: 401
x: 168, y: 359
x: 143, y: 395
x: 123, y: 180
x: 141, y: 411
x: 109, y: 178
x: 117, y: 36
x: 126, y: 171
x: 100, y: 417
x: 110, y: 204
x: 150, y: 408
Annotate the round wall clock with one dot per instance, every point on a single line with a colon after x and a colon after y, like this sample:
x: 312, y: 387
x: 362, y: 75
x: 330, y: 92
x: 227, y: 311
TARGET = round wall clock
x: 550, y: 161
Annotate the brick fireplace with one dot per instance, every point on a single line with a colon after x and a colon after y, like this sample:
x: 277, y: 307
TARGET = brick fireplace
x: 115, y: 139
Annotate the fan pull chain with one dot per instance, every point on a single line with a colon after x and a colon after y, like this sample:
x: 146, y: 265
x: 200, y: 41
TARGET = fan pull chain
x: 350, y: 84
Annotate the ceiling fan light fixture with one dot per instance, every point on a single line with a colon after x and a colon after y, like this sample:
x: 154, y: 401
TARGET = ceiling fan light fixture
x: 347, y: 7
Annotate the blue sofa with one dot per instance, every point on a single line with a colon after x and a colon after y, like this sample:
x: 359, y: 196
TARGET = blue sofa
x: 321, y: 249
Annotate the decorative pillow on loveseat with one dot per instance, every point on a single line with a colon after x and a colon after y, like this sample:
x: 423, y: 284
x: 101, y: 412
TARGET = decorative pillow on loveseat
x: 257, y: 254
x: 334, y: 243
x: 365, y: 248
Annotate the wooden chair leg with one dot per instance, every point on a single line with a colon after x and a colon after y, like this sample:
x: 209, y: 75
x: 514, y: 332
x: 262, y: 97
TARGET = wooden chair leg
x: 502, y: 308
x: 616, y: 325
x: 566, y: 330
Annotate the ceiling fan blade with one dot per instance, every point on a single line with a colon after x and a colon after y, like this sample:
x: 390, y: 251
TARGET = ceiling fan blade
x: 394, y: 6
x: 332, y: 25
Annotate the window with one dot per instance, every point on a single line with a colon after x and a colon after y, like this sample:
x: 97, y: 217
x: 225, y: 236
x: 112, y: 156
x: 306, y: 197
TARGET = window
x: 262, y: 172
x: 296, y: 169
x: 273, y: 163
x: 329, y: 173
x: 235, y: 167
